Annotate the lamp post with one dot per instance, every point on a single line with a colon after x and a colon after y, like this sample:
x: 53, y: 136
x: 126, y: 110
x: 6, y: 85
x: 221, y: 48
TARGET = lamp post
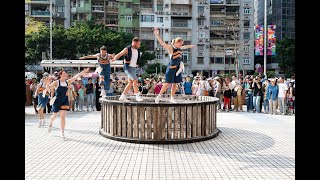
x: 50, y: 34
x: 265, y: 40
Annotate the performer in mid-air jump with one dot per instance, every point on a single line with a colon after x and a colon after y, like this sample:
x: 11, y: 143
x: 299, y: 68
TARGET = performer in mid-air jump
x: 104, y: 62
x: 131, y: 61
x: 174, y: 68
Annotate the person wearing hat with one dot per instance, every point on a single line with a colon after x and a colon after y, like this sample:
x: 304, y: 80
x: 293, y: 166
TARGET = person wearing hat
x: 175, y: 52
x: 43, y: 96
x: 104, y: 61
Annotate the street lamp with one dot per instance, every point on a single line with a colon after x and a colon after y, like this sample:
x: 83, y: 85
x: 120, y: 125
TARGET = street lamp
x: 51, y: 33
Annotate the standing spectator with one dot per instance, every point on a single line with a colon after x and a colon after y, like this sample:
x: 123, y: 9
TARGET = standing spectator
x: 249, y: 94
x: 265, y: 100
x: 283, y: 88
x: 89, y: 94
x: 204, y: 86
x: 256, y: 85
x: 152, y: 86
x: 158, y: 87
x: 81, y: 96
x: 71, y: 96
x: 226, y: 98
x: 33, y: 88
x: 187, y: 85
x: 77, y: 86
x: 217, y: 91
x: 272, y: 96
x: 146, y: 86
x: 211, y: 83
x: 195, y: 86
x: 238, y: 101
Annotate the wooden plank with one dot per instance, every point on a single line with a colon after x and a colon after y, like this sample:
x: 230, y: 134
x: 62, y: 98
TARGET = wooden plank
x: 111, y: 119
x: 204, y: 120
x: 209, y: 119
x: 148, y: 119
x: 102, y: 119
x: 163, y: 121
x: 129, y: 122
x: 194, y: 120
x: 155, y: 118
x: 169, y: 125
x: 189, y: 121
x: 215, y: 117
x: 183, y: 132
x: 199, y: 121
x: 119, y: 118
x: 114, y: 112
x: 176, y: 122
x: 124, y: 121
x: 142, y: 122
x: 107, y: 119
x: 135, y: 122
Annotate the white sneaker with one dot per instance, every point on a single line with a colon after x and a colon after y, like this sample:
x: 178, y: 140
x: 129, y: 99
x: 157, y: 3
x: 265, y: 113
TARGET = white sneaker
x: 40, y: 123
x: 43, y: 122
x: 172, y: 100
x: 49, y: 129
x: 138, y: 98
x: 123, y: 98
x: 158, y: 98
x: 62, y: 134
x: 103, y: 93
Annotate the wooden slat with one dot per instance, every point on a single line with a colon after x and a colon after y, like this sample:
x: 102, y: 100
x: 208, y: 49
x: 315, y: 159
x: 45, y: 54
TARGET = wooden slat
x: 209, y: 124
x: 148, y: 119
x: 176, y: 122
x: 124, y: 121
x: 114, y: 112
x: 212, y: 118
x: 108, y: 118
x: 119, y: 118
x: 129, y: 122
x: 194, y: 120
x: 183, y: 132
x: 169, y: 125
x: 204, y: 120
x: 141, y: 111
x: 199, y: 121
x: 163, y: 119
x: 135, y: 122
x: 102, y: 117
x: 111, y: 119
x: 189, y: 121
x: 155, y: 119
x: 215, y: 117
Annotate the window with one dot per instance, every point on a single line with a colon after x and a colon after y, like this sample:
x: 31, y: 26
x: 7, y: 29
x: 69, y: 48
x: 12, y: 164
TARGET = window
x: 246, y: 61
x: 159, y: 7
x: 185, y: 56
x: 246, y: 10
x: 160, y: 19
x: 246, y: 35
x: 121, y: 4
x: 200, y: 22
x: 128, y: 18
x: 246, y: 23
x: 60, y: 9
x: 128, y: 5
x: 201, y: 35
x: 159, y: 56
x: 216, y: 22
x: 246, y: 47
x: 147, y: 18
x: 200, y: 60
x: 200, y: 9
x: 218, y: 60
x: 284, y: 11
x: 247, y: 0
x: 211, y: 60
x: 200, y: 47
x: 129, y: 30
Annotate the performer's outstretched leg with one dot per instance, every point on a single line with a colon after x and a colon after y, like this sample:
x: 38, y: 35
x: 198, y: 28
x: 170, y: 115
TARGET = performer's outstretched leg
x: 163, y: 89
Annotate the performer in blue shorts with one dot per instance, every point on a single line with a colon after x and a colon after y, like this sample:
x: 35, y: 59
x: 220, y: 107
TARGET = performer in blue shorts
x: 172, y: 76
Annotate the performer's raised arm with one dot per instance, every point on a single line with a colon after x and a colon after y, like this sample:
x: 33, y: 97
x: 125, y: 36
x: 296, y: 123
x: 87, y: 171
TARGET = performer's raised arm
x: 187, y: 46
x: 163, y: 44
x: 120, y: 54
x: 78, y: 75
x: 89, y: 56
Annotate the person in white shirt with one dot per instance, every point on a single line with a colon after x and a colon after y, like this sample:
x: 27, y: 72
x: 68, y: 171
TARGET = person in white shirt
x: 283, y: 88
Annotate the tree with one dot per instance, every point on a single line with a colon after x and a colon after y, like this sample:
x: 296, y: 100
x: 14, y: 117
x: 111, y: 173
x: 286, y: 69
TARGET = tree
x: 286, y: 55
x: 151, y: 69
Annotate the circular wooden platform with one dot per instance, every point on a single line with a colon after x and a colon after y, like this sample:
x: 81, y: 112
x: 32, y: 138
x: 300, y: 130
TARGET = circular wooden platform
x: 191, y: 119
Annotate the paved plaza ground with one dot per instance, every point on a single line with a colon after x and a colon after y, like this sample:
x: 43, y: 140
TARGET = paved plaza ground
x: 250, y: 146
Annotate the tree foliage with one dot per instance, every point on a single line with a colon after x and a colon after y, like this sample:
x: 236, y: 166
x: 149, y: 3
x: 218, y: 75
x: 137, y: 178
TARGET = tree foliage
x: 151, y: 69
x: 286, y: 55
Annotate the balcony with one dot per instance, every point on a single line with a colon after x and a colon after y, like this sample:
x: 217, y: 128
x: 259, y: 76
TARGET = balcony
x: 181, y: 2
x: 232, y: 2
x: 181, y: 25
x: 40, y: 2
x: 217, y: 14
x: 217, y: 41
x: 39, y: 13
x: 232, y: 15
x: 97, y: 8
x: 232, y: 41
x: 112, y: 9
x: 185, y: 38
x: 147, y: 36
x: 218, y: 28
x: 180, y: 13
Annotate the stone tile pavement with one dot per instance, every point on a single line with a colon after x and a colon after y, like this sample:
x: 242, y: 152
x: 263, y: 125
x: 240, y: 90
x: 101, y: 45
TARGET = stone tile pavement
x: 251, y: 146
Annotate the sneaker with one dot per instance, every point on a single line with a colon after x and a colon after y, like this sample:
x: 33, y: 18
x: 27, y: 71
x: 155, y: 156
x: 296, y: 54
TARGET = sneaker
x: 123, y: 98
x: 62, y: 134
x: 172, y: 100
x: 103, y: 93
x: 227, y: 110
x: 49, y: 129
x: 43, y: 122
x: 40, y: 123
x: 158, y: 98
x: 138, y: 98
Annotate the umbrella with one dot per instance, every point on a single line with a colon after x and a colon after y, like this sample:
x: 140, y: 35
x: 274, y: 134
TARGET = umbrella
x: 30, y: 75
